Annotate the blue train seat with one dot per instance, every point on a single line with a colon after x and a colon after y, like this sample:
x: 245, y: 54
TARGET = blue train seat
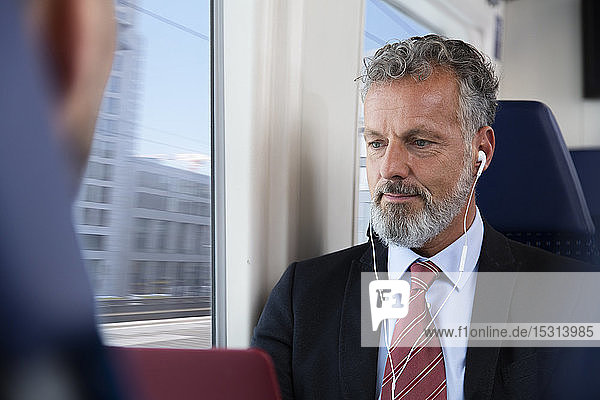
x: 531, y: 191
x: 587, y: 164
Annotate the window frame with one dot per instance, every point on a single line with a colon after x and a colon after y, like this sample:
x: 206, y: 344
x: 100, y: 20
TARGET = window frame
x: 218, y: 254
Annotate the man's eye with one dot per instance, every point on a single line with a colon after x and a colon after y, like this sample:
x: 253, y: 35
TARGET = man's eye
x: 421, y: 142
x: 375, y: 145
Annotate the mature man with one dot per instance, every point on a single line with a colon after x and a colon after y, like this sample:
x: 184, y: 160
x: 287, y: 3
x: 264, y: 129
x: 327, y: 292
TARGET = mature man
x: 429, y: 103
x: 56, y: 59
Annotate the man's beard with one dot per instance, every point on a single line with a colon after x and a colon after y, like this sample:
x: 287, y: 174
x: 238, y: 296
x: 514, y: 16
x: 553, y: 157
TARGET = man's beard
x: 401, y: 225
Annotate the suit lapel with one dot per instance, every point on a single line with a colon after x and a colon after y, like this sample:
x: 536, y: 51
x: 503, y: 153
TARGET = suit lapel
x: 358, y: 365
x: 482, y: 362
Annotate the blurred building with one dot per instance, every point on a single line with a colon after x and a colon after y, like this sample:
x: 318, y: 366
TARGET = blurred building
x: 144, y: 227
x: 169, y: 252
x: 364, y: 195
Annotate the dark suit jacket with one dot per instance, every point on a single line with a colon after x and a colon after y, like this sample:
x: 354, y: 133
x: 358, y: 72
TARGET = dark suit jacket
x: 311, y: 328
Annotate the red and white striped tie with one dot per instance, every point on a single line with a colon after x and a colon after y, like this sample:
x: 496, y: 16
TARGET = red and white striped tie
x: 424, y: 377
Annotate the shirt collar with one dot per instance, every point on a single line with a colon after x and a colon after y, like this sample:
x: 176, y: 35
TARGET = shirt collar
x: 448, y: 260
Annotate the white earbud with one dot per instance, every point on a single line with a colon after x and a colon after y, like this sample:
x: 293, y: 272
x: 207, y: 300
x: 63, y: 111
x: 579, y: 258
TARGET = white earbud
x: 481, y: 157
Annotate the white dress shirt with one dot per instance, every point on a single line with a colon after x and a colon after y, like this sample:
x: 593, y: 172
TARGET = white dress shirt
x: 457, y: 309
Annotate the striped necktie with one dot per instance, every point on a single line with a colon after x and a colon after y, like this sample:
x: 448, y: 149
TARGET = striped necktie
x: 424, y: 375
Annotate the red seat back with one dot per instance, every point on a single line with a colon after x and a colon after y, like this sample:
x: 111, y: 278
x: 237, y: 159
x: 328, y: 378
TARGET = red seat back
x: 217, y: 374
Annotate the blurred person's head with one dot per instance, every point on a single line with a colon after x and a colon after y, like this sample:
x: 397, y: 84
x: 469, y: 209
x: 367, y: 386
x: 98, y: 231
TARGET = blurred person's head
x: 50, y: 347
x: 77, y: 39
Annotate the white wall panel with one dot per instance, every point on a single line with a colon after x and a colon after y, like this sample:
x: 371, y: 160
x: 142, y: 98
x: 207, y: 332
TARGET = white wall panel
x: 543, y: 61
x: 290, y: 121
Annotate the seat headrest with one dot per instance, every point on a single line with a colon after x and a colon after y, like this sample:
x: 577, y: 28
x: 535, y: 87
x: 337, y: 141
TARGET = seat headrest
x: 587, y: 163
x: 531, y: 184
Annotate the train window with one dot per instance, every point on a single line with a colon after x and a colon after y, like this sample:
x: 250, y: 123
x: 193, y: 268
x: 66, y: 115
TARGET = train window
x: 143, y: 214
x: 383, y: 22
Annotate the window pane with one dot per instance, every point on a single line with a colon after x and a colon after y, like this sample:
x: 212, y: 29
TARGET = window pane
x: 143, y: 212
x: 383, y: 23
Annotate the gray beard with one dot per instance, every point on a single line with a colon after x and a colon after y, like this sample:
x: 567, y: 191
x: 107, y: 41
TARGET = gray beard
x: 398, y: 224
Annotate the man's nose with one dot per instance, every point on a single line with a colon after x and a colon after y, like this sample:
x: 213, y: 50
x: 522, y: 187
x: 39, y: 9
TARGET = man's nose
x: 395, y: 162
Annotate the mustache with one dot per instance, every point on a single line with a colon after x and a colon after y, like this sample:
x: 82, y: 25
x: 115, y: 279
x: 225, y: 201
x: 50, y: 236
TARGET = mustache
x: 399, y: 187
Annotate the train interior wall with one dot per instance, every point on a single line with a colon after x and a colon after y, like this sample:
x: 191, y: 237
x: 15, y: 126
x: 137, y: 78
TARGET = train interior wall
x: 291, y: 106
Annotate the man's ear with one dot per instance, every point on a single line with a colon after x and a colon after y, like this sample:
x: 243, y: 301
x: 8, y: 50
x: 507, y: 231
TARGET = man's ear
x: 485, y: 141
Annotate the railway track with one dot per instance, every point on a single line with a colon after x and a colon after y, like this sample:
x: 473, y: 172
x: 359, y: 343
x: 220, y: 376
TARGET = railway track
x: 141, y: 309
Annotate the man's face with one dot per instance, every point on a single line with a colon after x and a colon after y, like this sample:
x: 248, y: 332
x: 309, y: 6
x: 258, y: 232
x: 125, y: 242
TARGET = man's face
x: 418, y: 167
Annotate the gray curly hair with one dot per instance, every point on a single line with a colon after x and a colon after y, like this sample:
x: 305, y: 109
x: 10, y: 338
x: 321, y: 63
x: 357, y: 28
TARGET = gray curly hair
x: 418, y: 56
